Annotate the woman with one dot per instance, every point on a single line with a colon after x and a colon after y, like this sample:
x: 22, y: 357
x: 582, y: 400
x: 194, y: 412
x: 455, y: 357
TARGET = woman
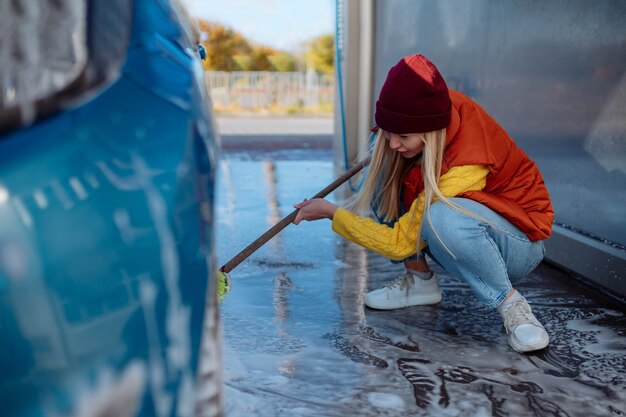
x: 446, y: 179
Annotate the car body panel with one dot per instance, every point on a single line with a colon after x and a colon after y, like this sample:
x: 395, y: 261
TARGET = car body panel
x: 106, y: 251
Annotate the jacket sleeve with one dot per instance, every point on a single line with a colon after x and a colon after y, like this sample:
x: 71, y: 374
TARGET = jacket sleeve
x: 399, y: 242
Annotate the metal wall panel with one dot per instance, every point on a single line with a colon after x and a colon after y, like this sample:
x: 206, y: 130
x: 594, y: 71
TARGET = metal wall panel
x: 552, y: 73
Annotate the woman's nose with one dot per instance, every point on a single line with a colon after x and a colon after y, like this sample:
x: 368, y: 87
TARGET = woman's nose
x: 394, y: 142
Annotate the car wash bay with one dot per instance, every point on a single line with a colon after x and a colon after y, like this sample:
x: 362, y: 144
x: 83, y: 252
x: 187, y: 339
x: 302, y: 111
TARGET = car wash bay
x: 298, y: 340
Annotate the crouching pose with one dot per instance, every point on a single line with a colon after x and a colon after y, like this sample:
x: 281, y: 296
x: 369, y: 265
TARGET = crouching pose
x: 445, y: 179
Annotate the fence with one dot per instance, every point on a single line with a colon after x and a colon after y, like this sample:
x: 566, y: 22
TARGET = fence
x: 287, y: 91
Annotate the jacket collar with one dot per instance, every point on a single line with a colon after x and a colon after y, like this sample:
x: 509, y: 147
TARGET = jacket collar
x: 453, y: 129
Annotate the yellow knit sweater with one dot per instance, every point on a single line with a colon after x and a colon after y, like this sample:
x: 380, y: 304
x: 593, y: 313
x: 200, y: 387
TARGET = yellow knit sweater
x: 399, y: 242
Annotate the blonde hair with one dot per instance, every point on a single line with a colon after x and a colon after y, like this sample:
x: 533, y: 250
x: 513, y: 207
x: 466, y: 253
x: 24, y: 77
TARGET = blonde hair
x: 381, y: 187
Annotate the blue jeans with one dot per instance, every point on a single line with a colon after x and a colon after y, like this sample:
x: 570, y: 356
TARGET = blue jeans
x: 488, y: 258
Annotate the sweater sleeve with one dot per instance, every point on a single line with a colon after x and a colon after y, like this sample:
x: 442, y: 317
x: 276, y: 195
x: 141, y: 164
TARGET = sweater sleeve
x: 399, y: 241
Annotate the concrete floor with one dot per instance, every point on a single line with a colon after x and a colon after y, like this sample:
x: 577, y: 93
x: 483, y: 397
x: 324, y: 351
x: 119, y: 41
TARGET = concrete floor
x: 298, y: 340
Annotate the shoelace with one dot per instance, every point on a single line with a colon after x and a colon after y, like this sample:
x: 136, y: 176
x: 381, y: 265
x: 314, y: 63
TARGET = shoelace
x: 405, y: 281
x: 518, y: 313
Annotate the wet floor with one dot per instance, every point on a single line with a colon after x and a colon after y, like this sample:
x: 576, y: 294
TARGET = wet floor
x: 298, y: 340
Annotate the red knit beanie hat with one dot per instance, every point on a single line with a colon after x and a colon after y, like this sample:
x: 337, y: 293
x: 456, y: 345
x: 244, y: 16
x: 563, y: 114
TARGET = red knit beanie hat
x: 414, y: 98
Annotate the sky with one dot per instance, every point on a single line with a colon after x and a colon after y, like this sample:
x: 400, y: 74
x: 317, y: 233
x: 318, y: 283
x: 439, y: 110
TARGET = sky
x: 280, y: 24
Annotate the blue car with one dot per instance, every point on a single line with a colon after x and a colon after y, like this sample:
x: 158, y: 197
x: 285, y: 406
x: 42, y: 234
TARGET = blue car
x: 108, y: 303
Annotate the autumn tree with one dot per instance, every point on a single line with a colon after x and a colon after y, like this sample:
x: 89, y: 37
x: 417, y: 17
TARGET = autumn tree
x: 228, y: 50
x: 320, y: 54
x: 222, y: 45
x: 261, y: 58
x: 282, y: 61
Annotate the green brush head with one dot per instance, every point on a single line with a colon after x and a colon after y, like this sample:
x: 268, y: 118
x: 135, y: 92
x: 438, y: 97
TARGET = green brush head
x: 223, y: 285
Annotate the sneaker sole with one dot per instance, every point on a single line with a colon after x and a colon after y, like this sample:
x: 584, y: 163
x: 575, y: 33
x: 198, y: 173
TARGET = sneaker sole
x: 417, y: 300
x: 529, y: 348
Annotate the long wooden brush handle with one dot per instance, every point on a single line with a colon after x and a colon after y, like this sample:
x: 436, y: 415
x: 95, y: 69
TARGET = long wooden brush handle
x: 241, y: 256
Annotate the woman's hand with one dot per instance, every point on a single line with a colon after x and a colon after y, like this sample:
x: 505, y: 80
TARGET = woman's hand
x: 315, y: 209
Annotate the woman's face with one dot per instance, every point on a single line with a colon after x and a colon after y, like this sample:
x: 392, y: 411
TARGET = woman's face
x: 407, y: 145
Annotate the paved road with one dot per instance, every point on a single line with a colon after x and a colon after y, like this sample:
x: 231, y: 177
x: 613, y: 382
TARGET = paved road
x: 274, y: 133
x: 270, y: 125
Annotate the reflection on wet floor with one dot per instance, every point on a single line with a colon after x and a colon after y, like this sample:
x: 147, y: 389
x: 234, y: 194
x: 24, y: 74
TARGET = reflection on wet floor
x: 299, y: 342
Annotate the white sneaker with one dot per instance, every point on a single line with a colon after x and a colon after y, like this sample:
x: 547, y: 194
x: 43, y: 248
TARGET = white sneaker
x: 525, y: 333
x: 407, y: 290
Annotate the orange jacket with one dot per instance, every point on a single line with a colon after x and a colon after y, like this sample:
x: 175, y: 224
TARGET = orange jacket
x: 515, y: 187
